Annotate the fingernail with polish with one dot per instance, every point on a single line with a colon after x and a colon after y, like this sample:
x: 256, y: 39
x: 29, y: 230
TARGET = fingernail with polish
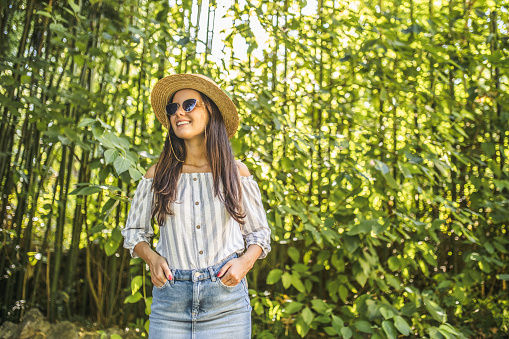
x: 218, y: 274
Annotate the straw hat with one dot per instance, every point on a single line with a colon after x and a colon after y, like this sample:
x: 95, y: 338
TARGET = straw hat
x: 166, y: 87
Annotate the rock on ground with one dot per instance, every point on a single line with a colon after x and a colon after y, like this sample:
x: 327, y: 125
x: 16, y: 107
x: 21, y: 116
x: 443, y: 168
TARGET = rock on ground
x: 35, y: 326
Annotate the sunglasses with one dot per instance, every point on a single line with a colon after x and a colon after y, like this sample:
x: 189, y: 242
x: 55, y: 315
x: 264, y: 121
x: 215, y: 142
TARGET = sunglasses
x: 188, y: 105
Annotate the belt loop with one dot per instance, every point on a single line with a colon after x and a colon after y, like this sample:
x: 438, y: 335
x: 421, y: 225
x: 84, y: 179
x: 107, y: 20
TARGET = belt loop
x: 212, y: 274
x: 172, y: 281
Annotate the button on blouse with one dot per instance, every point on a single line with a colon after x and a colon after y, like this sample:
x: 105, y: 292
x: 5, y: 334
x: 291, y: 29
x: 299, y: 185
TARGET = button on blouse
x: 198, y: 235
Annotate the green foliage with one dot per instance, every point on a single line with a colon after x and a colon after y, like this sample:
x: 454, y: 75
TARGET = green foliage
x: 133, y: 298
x: 377, y: 133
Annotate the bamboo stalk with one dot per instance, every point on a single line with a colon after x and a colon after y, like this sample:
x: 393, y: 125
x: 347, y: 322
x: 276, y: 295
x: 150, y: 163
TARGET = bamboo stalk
x: 58, y: 238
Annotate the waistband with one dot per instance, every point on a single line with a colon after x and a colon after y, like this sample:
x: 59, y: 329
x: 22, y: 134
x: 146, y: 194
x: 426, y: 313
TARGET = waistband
x: 200, y: 273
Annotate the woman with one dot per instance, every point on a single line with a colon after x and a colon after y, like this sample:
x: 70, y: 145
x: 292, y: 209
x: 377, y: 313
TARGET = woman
x: 207, y: 204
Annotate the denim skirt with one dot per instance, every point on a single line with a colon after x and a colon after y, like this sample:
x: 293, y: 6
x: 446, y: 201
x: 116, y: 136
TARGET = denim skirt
x: 195, y: 304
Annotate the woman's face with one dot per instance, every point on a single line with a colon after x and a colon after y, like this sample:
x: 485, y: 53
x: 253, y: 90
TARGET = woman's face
x: 198, y: 117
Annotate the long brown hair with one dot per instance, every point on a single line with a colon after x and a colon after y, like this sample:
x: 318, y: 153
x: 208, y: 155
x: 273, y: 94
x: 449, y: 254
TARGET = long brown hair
x: 221, y: 160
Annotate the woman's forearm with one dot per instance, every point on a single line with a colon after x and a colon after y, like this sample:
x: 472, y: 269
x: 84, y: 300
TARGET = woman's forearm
x: 145, y: 252
x: 252, y: 253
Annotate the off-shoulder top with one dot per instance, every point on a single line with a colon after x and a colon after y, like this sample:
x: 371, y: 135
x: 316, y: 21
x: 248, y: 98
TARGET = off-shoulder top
x: 202, y: 232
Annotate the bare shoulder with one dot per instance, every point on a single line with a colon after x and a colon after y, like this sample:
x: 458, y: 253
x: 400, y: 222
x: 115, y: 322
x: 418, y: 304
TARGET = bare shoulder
x: 151, y: 171
x: 243, y: 170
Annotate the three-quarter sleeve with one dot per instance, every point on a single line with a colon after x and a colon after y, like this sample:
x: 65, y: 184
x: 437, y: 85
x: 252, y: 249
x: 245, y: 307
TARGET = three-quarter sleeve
x: 256, y: 229
x: 138, y: 225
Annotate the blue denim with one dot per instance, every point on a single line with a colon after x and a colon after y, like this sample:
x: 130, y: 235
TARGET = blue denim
x: 196, y: 304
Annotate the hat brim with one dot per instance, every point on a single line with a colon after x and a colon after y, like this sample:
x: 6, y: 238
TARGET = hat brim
x: 166, y: 87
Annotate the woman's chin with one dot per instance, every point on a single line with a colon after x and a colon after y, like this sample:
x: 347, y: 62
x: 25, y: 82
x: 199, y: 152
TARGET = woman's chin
x: 188, y: 135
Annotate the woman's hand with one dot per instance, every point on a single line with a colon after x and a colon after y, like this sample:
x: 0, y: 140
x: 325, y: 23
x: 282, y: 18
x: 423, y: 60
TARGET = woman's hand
x: 237, y: 268
x: 159, y: 270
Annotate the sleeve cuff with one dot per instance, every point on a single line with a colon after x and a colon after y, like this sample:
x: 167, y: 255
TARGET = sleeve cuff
x: 265, y: 248
x: 131, y: 246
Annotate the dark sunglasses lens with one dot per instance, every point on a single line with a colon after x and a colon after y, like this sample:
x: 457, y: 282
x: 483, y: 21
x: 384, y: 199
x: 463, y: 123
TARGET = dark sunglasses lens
x: 171, y: 109
x: 189, y: 105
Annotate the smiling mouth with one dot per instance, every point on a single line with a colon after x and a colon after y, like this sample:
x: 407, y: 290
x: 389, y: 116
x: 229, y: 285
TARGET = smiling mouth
x: 185, y: 124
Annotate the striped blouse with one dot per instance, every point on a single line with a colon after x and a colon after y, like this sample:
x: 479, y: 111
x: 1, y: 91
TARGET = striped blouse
x: 202, y: 232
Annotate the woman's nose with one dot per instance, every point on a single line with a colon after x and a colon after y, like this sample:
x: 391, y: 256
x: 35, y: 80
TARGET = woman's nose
x: 180, y: 111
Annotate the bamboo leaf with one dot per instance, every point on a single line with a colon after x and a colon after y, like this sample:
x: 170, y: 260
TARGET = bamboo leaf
x: 75, y: 8
x: 287, y: 280
x: 337, y: 323
x: 363, y: 326
x: 46, y: 14
x: 346, y: 332
x: 302, y: 327
x: 136, y: 284
x: 389, y: 329
x: 320, y: 306
x: 135, y: 174
x: 307, y: 315
x: 402, y: 325
x: 134, y: 298
x: 110, y: 155
x: 293, y: 307
x: 436, y: 311
x: 121, y: 164
x: 293, y: 253
x: 111, y: 246
x: 85, y: 190
x: 274, y: 276
x: 297, y: 283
